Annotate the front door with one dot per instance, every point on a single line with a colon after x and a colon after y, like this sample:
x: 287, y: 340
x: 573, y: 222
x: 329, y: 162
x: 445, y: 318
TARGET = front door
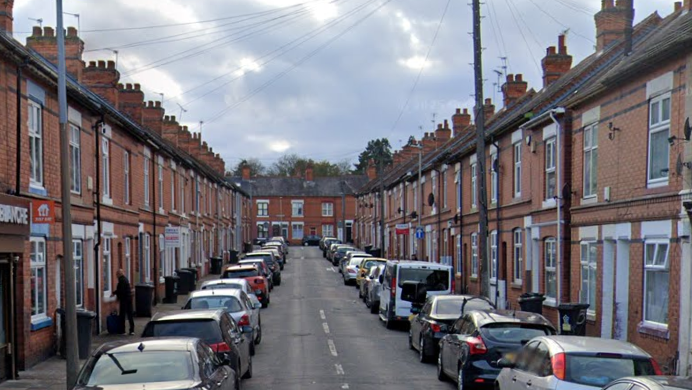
x: 5, y: 366
x: 276, y: 230
x: 622, y: 287
x: 349, y: 231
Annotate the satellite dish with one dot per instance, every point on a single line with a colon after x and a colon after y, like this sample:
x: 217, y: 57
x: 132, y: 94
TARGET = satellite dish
x: 688, y: 130
x: 431, y: 199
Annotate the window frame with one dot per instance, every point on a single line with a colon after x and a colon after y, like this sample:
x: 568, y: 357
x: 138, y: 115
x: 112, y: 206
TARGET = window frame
x: 550, y: 266
x: 78, y: 256
x: 262, y: 211
x: 518, y: 256
x: 159, y: 174
x: 650, y: 268
x: 445, y: 184
x: 294, y: 225
x: 107, y: 264
x: 128, y: 258
x: 147, y: 257
x: 126, y: 175
x: 517, y: 169
x: 474, y: 255
x: 301, y: 210
x: 550, y: 166
x: 492, y: 238
x: 106, y: 167
x: 590, y: 265
x: 36, y: 163
x: 590, y: 161
x: 474, y: 186
x: 493, y: 179
x: 173, y: 177
x: 147, y: 190
x: 38, y: 261
x: 75, y: 158
x: 661, y: 125
x: 327, y: 211
x: 329, y: 232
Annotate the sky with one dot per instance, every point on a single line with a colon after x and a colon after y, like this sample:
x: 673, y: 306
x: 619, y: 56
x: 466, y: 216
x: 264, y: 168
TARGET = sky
x: 319, y: 78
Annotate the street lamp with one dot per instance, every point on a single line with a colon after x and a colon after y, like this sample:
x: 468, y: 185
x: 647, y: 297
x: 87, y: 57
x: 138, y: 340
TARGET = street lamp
x: 420, y: 189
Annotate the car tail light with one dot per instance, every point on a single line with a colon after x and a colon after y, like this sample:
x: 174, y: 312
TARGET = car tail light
x: 476, y: 346
x: 454, y: 285
x: 558, y: 363
x: 220, y: 347
x: 244, y: 320
x: 435, y: 327
x: 393, y: 286
x: 657, y: 368
x: 351, y: 271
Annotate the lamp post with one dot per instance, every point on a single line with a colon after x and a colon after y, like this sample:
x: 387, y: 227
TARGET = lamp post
x: 420, y: 189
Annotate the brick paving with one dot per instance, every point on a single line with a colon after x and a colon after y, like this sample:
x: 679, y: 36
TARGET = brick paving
x: 51, y: 375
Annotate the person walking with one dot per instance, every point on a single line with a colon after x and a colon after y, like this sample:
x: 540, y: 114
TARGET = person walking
x: 124, y: 293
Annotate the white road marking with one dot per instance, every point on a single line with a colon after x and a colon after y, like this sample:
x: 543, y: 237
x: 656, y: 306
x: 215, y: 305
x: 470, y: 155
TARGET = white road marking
x: 302, y: 257
x: 325, y: 326
x: 344, y: 386
x: 322, y: 316
x: 339, y: 369
x: 334, y: 269
x: 332, y: 347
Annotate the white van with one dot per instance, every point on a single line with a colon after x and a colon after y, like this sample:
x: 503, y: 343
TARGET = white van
x: 438, y: 280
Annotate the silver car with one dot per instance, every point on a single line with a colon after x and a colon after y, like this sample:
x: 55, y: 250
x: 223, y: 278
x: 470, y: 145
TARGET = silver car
x: 236, y: 302
x: 236, y: 283
x: 350, y: 255
x: 372, y: 296
x: 572, y: 363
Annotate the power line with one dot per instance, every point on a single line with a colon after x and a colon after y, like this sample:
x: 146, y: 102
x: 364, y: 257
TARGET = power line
x: 560, y: 23
x: 420, y: 72
x: 521, y: 32
x: 499, y: 28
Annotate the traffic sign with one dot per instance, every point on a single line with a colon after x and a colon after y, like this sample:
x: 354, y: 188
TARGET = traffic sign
x: 420, y: 233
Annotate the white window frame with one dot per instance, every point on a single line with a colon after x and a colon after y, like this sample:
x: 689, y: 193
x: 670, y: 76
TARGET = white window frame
x: 262, y: 230
x: 659, y: 124
x: 588, y: 266
x: 128, y: 258
x: 656, y: 265
x: 107, y: 266
x: 327, y: 230
x: 460, y: 262
x: 433, y: 181
x: 36, y: 143
x: 38, y: 262
x: 75, y: 159
x: 550, y: 170
x: 78, y: 256
x: 550, y: 266
x: 518, y: 255
x: 300, y: 212
x: 493, y: 256
x: 159, y: 168
x: 262, y: 211
x: 181, y: 185
x: 126, y: 170
x: 517, y: 169
x: 294, y: 225
x: 147, y: 257
x: 173, y: 175
x: 457, y: 182
x: 146, y: 182
x: 590, y: 161
x: 474, y: 186
x: 493, y: 179
x: 106, y: 167
x: 327, y: 209
x: 444, y: 190
x: 474, y: 255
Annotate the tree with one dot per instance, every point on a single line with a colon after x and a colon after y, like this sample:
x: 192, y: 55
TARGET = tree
x: 293, y: 164
x: 378, y: 150
x: 256, y: 167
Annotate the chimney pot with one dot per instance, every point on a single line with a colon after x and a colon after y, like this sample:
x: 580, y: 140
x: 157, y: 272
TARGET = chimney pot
x: 71, y: 32
x: 150, y: 104
x: 172, y: 118
x: 37, y: 31
x: 121, y: 86
x: 678, y: 6
x: 446, y: 125
x: 48, y: 32
x: 488, y: 101
x: 166, y: 118
x: 458, y: 111
x: 466, y: 111
x: 158, y: 104
x: 510, y: 78
x: 111, y: 64
x: 439, y: 126
x: 92, y: 64
x: 137, y: 87
x: 101, y: 64
x: 128, y: 86
x: 519, y: 78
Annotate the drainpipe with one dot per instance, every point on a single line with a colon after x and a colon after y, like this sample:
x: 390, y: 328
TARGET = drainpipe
x: 155, y: 278
x: 97, y: 232
x: 558, y: 200
x: 18, y: 183
x: 13, y: 317
x: 496, y: 168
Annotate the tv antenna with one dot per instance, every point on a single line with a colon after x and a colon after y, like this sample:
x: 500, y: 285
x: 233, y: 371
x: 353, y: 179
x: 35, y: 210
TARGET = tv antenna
x: 39, y: 21
x: 182, y: 109
x: 79, y: 23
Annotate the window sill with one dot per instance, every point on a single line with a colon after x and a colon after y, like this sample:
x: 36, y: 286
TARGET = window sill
x: 473, y: 278
x: 262, y: 216
x: 589, y: 200
x: 108, y: 298
x: 40, y: 323
x: 549, y: 204
x: 655, y: 330
x: 550, y: 302
x: 518, y: 285
x: 38, y: 189
x: 657, y: 184
x: 107, y: 201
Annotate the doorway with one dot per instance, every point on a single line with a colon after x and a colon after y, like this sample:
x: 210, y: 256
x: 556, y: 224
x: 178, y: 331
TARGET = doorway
x: 5, y: 306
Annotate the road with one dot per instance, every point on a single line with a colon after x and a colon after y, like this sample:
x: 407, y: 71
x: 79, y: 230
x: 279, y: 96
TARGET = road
x: 317, y: 334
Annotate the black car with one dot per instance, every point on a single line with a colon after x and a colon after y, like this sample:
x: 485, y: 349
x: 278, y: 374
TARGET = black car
x: 274, y: 266
x: 651, y: 383
x: 433, y: 321
x: 216, y: 327
x: 259, y: 241
x: 310, y: 240
x: 477, y: 340
x: 327, y: 244
x: 170, y: 363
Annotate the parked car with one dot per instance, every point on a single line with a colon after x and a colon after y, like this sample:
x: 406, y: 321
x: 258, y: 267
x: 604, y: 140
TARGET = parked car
x: 477, y: 340
x: 366, y: 263
x: 237, y: 283
x: 282, y: 240
x: 274, y: 251
x: 433, y: 321
x: 310, y: 240
x: 573, y: 362
x: 348, y: 256
x: 437, y: 279
x: 351, y: 270
x: 269, y: 261
x: 323, y: 240
x: 259, y: 241
x: 169, y: 363
x: 327, y: 245
x: 340, y: 252
x: 250, y: 273
x: 216, y: 327
x: 651, y: 383
x: 262, y: 266
x: 279, y: 247
x: 332, y: 248
x: 373, y: 287
x: 236, y: 303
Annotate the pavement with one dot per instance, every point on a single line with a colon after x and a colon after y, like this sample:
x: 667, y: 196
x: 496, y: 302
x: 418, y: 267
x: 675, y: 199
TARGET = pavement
x: 51, y: 374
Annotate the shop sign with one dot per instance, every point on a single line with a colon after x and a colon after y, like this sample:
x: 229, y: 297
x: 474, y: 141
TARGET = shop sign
x: 172, y: 236
x: 43, y: 211
x: 14, y: 216
x: 403, y: 229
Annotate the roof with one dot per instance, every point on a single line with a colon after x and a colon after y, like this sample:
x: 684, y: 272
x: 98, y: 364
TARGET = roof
x: 188, y: 315
x: 226, y: 292
x: 654, y: 382
x: 225, y: 281
x: 576, y: 344
x: 235, y: 267
x: 483, y: 318
x: 154, y: 344
x: 298, y: 187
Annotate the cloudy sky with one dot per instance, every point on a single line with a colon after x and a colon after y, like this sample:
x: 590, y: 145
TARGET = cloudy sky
x: 317, y: 77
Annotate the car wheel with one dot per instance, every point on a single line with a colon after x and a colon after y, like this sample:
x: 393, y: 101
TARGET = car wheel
x: 460, y: 378
x: 374, y: 308
x: 248, y: 373
x: 389, y: 324
x: 440, y: 369
x: 410, y: 341
x: 422, y: 356
x: 252, y: 349
x: 258, y: 339
x: 345, y: 282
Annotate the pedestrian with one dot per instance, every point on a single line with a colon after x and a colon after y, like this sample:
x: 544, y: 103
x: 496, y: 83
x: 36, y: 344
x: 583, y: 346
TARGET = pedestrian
x: 124, y: 293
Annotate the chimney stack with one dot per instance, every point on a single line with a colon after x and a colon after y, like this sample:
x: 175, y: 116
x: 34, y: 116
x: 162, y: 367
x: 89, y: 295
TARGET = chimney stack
x: 614, y: 22
x: 556, y: 63
x: 102, y: 78
x: 372, y: 170
x: 246, y: 172
x: 152, y: 116
x: 170, y: 128
x: 443, y: 133
x: 687, y: 5
x: 461, y: 121
x: 45, y: 42
x: 488, y: 109
x: 6, y: 18
x: 513, y: 89
x: 309, y: 173
x: 131, y: 100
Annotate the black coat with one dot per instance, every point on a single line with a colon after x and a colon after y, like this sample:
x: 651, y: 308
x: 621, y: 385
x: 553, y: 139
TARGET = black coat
x: 123, y: 291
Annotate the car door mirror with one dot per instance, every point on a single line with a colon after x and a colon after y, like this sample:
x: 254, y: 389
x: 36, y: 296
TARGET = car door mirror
x: 505, y: 363
x: 256, y: 305
x: 246, y: 329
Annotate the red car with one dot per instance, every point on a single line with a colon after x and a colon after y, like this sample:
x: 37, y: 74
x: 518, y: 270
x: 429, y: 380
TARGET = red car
x: 254, y: 277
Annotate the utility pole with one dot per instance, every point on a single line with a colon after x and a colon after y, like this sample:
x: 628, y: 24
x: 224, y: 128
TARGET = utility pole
x: 480, y: 151
x: 381, y: 177
x: 343, y: 211
x: 68, y: 266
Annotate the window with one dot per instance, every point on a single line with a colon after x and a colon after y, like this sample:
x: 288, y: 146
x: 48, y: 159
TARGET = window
x: 146, y: 182
x: 550, y: 269
x: 415, y: 197
x: 550, y: 178
x: 297, y: 231
x: 126, y: 170
x: 591, y: 160
x: 262, y: 230
x: 517, y: 170
x: 474, y: 188
x: 173, y: 189
x: 656, y: 276
x: 181, y: 185
x: 327, y: 209
x: 262, y: 209
x: 518, y: 256
x: 106, y: 267
x: 659, y: 147
x: 444, y: 190
x: 78, y: 255
x: 297, y: 208
x: 474, y: 255
x: 38, y: 278
x: 587, y: 294
x: 434, y: 192
x: 75, y: 159
x: 493, y: 178
x: 160, y: 175
x: 147, y: 258
x: 327, y: 230
x: 128, y: 259
x: 493, y: 256
x: 105, y: 166
x: 36, y: 144
x: 457, y: 181
x: 460, y: 260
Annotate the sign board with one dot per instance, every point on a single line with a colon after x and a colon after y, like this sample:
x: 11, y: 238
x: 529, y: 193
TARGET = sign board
x: 403, y: 229
x: 43, y: 211
x: 14, y: 216
x: 420, y: 233
x: 172, y: 237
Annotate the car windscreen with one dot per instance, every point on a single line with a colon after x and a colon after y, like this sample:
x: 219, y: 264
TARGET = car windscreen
x: 222, y: 286
x: 447, y: 307
x: 514, y: 333
x: 207, y: 329
x: 600, y: 370
x: 241, y: 273
x: 129, y: 368
x: 369, y: 264
x: 344, y: 250
x: 434, y: 280
x: 231, y: 304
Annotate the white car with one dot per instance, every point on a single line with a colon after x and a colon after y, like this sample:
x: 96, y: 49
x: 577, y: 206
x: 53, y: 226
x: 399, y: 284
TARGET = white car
x: 237, y: 283
x: 573, y: 363
x: 351, y: 269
